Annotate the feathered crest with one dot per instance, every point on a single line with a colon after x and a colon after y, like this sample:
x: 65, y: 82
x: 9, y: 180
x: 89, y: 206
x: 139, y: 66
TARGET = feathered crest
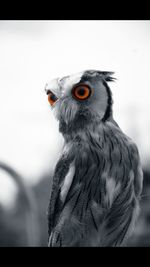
x: 106, y: 75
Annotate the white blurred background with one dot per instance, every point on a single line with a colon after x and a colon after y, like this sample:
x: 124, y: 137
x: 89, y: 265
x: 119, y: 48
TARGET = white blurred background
x: 33, y: 52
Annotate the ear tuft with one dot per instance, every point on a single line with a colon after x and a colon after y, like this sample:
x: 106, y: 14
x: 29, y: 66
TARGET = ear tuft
x: 107, y: 75
x: 104, y: 75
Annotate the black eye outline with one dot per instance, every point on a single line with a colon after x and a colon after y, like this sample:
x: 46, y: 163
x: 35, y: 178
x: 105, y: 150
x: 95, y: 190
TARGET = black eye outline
x: 82, y: 85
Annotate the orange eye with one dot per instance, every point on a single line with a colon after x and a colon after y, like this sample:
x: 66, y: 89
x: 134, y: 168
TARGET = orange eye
x: 81, y: 92
x: 51, y: 98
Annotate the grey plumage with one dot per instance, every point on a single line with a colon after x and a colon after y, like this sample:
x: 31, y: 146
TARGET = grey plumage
x: 98, y: 179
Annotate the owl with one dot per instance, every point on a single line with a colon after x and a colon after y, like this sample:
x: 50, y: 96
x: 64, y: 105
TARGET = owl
x: 98, y: 178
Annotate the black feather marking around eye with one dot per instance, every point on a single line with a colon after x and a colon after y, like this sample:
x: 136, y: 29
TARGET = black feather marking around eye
x: 48, y: 92
x: 108, y: 111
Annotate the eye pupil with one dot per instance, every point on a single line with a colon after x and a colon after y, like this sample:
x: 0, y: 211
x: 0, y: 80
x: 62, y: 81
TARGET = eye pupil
x: 81, y: 91
x: 53, y: 97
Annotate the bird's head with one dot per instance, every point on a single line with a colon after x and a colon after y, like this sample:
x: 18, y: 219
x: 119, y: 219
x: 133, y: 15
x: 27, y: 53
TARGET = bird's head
x: 80, y: 98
